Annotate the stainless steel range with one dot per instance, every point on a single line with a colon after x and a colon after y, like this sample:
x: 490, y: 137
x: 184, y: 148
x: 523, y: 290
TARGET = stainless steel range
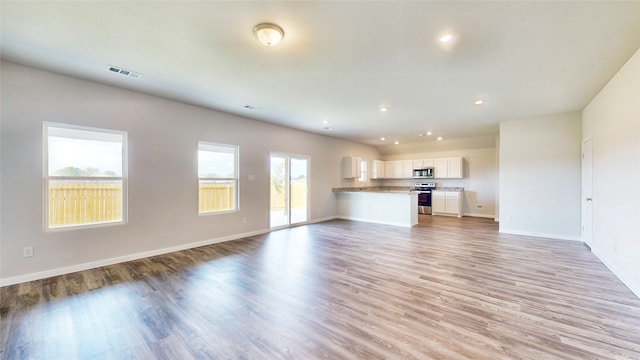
x: 424, y: 196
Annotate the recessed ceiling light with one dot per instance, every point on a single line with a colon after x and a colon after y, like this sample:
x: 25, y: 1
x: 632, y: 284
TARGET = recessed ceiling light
x: 268, y: 34
x: 384, y: 109
x: 428, y: 132
x: 479, y: 102
x: 439, y: 137
x: 396, y: 142
x: 325, y: 122
x: 446, y: 38
x: 382, y: 139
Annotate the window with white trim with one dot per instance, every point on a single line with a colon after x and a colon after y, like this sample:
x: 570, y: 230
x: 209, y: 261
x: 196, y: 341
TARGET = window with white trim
x: 84, y: 176
x: 363, y: 170
x: 217, y: 178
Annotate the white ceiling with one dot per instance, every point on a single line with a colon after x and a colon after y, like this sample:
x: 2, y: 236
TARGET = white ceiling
x: 340, y: 61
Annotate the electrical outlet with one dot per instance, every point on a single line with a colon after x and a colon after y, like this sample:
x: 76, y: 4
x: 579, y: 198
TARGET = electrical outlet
x: 27, y: 251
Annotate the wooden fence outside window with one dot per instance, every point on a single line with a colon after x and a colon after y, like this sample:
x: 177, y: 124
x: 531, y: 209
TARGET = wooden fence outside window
x: 84, y: 203
x: 73, y: 203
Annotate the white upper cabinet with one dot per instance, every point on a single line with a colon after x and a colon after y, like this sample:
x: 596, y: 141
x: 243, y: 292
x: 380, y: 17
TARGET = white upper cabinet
x: 407, y: 169
x: 397, y: 169
x: 454, y: 168
x: 350, y: 167
x: 389, y: 169
x: 377, y: 169
x: 445, y: 168
x: 448, y: 168
x: 440, y: 169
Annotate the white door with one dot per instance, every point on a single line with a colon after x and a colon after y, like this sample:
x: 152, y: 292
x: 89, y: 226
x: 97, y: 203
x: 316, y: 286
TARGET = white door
x: 587, y: 195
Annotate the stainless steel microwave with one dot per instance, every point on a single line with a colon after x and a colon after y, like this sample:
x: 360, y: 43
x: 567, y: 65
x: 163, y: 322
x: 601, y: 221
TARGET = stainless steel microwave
x: 423, y: 173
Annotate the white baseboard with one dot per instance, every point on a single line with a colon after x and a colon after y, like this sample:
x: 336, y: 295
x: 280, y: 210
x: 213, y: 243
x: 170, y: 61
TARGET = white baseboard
x: 120, y: 259
x: 488, y: 216
x: 616, y: 272
x: 322, y: 219
x: 375, y: 222
x: 541, y: 235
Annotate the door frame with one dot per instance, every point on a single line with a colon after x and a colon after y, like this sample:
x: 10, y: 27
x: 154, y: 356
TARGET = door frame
x: 287, y: 174
x: 586, y: 206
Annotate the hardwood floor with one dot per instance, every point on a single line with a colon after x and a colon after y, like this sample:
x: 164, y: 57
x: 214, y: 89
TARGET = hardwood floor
x: 447, y: 289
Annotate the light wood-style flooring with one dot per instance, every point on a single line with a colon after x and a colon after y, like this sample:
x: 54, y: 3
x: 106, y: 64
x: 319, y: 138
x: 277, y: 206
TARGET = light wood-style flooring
x: 447, y: 289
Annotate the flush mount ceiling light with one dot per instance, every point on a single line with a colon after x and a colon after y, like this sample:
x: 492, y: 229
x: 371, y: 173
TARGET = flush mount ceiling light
x: 478, y: 102
x: 446, y: 38
x: 268, y: 34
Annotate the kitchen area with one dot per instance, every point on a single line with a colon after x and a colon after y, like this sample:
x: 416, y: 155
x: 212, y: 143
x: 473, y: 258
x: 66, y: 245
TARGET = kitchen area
x: 408, y: 190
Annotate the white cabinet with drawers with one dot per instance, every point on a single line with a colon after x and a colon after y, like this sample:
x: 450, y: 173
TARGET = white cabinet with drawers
x: 445, y: 202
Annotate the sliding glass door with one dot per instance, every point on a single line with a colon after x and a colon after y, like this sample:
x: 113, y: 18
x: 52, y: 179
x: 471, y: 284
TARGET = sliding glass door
x: 289, y: 184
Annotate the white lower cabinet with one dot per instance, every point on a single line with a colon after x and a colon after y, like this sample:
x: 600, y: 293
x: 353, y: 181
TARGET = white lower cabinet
x: 438, y: 202
x: 446, y: 202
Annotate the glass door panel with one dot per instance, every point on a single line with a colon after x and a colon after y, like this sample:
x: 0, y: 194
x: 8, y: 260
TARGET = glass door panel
x: 279, y: 208
x: 298, y: 190
x: 289, y: 190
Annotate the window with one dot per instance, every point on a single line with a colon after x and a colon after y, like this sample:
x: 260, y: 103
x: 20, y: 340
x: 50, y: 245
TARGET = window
x: 217, y: 178
x: 363, y: 170
x: 84, y: 175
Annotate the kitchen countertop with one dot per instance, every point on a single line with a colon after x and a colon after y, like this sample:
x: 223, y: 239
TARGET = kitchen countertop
x: 376, y: 189
x: 449, y: 189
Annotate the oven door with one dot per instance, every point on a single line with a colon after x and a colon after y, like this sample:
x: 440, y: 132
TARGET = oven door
x: 424, y: 202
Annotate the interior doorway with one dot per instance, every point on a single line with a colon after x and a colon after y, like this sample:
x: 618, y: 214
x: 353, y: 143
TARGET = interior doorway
x: 288, y: 188
x: 587, y: 192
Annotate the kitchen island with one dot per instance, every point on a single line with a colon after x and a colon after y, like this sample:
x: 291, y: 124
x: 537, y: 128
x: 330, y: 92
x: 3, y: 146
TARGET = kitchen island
x: 381, y: 204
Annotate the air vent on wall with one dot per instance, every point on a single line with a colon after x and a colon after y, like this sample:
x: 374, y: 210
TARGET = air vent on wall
x: 128, y: 73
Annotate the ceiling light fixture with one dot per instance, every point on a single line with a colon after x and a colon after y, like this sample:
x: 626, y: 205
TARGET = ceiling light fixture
x: 268, y: 34
x: 428, y: 132
x: 446, y: 38
x: 383, y: 109
x: 439, y: 137
x: 479, y: 102
x: 397, y: 142
x: 382, y: 139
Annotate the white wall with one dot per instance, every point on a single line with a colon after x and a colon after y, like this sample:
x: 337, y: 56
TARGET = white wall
x: 163, y: 138
x: 540, y: 160
x: 612, y: 120
x: 480, y: 175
